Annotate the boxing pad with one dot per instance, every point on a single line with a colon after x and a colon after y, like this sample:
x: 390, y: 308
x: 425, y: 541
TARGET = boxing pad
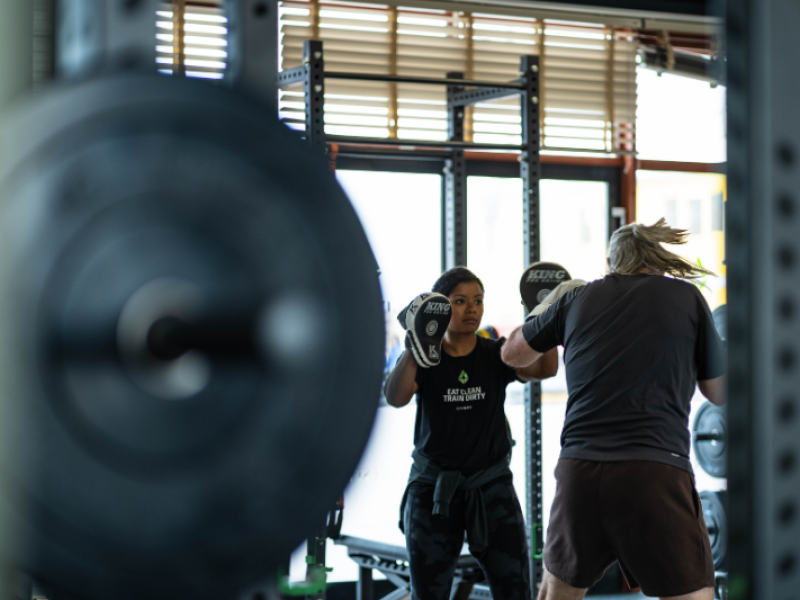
x: 425, y: 321
x: 560, y: 290
x: 538, y: 280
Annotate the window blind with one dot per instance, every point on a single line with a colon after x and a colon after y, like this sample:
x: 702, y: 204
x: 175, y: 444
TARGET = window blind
x: 588, y: 73
x: 191, y: 39
x: 588, y: 70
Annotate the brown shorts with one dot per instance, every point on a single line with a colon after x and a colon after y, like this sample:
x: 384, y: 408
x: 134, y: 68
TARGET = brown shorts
x: 646, y: 515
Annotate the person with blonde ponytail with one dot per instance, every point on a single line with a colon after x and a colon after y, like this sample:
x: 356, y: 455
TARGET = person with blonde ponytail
x: 637, y: 248
x: 636, y: 344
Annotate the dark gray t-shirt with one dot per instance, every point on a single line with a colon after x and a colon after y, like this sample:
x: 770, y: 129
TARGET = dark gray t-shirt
x: 634, y: 348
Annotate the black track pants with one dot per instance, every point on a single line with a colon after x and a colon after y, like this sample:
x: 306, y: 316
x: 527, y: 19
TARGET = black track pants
x: 434, y: 543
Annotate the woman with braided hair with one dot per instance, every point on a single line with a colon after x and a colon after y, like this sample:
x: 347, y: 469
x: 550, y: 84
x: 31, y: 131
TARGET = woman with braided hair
x: 636, y: 343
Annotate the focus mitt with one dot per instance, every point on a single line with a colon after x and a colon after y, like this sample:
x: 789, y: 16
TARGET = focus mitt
x: 560, y: 290
x: 538, y: 280
x: 425, y: 321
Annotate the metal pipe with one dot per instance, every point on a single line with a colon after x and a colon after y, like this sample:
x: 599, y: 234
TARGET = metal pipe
x: 685, y: 65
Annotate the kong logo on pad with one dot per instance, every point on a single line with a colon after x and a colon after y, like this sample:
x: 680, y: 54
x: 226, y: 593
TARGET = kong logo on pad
x: 439, y: 308
x: 547, y: 276
x: 538, y: 280
x: 425, y: 333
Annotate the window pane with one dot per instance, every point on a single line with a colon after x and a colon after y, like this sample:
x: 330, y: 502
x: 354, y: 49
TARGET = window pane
x: 678, y: 118
x: 574, y: 232
x: 693, y: 201
x: 401, y: 214
x: 574, y: 226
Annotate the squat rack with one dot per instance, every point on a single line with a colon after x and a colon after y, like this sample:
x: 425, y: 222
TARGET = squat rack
x: 460, y: 94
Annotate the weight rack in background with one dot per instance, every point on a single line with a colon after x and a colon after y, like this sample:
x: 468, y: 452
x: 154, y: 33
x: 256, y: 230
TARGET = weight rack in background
x: 461, y: 93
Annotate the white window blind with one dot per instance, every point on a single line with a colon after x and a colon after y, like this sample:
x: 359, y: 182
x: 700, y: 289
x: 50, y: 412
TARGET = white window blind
x: 588, y: 73
x: 191, y: 39
x: 588, y: 70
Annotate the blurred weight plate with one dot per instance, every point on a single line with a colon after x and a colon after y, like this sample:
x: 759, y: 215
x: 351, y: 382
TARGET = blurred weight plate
x: 711, y: 454
x: 132, y: 198
x: 720, y: 315
x: 714, y: 505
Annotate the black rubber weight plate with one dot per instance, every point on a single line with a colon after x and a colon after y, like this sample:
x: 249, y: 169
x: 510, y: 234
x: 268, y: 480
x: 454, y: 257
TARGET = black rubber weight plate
x: 720, y: 316
x: 714, y: 505
x: 118, y: 493
x: 711, y: 455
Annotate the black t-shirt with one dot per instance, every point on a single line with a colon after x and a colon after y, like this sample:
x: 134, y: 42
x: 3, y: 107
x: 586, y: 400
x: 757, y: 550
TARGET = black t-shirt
x: 634, y: 348
x: 461, y: 424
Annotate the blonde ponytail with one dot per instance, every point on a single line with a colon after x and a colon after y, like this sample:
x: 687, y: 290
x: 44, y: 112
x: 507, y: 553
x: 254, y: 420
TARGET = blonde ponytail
x: 636, y: 246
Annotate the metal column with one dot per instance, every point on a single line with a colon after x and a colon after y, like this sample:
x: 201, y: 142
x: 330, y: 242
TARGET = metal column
x: 105, y: 34
x: 253, y: 47
x: 16, y: 50
x: 44, y: 43
x: 763, y: 258
x: 454, y: 184
x: 530, y: 170
x: 314, y: 88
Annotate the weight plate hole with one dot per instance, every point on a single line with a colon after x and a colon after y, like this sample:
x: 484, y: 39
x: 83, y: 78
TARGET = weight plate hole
x: 786, y: 513
x: 786, y: 257
x: 786, y: 462
x: 786, y: 564
x: 786, y: 410
x: 786, y: 154
x: 786, y: 359
x: 786, y: 206
x: 786, y: 308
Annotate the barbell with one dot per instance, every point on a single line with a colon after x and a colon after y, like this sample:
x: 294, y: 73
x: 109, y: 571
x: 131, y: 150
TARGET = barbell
x: 192, y: 340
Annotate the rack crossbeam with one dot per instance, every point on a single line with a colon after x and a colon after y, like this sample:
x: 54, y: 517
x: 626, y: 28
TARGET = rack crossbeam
x: 291, y: 77
x: 473, y: 96
x: 511, y: 85
x: 359, y: 141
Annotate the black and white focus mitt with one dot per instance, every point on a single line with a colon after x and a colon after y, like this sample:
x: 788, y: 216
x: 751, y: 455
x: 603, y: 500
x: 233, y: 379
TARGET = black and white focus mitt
x: 560, y: 290
x: 425, y: 321
x: 538, y: 280
x: 543, y: 283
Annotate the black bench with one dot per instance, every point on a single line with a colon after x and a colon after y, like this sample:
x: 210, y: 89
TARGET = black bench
x: 392, y: 562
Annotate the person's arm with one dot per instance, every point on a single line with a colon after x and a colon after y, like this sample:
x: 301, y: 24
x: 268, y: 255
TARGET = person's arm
x: 544, y: 367
x: 713, y: 390
x: 517, y: 352
x: 401, y: 383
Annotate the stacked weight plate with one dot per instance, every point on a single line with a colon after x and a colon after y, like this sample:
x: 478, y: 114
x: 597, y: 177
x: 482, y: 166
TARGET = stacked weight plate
x: 710, y: 446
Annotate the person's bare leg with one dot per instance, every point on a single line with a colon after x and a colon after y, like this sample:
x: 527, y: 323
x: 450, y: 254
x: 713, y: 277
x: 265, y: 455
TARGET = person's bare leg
x: 704, y: 594
x: 555, y: 589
